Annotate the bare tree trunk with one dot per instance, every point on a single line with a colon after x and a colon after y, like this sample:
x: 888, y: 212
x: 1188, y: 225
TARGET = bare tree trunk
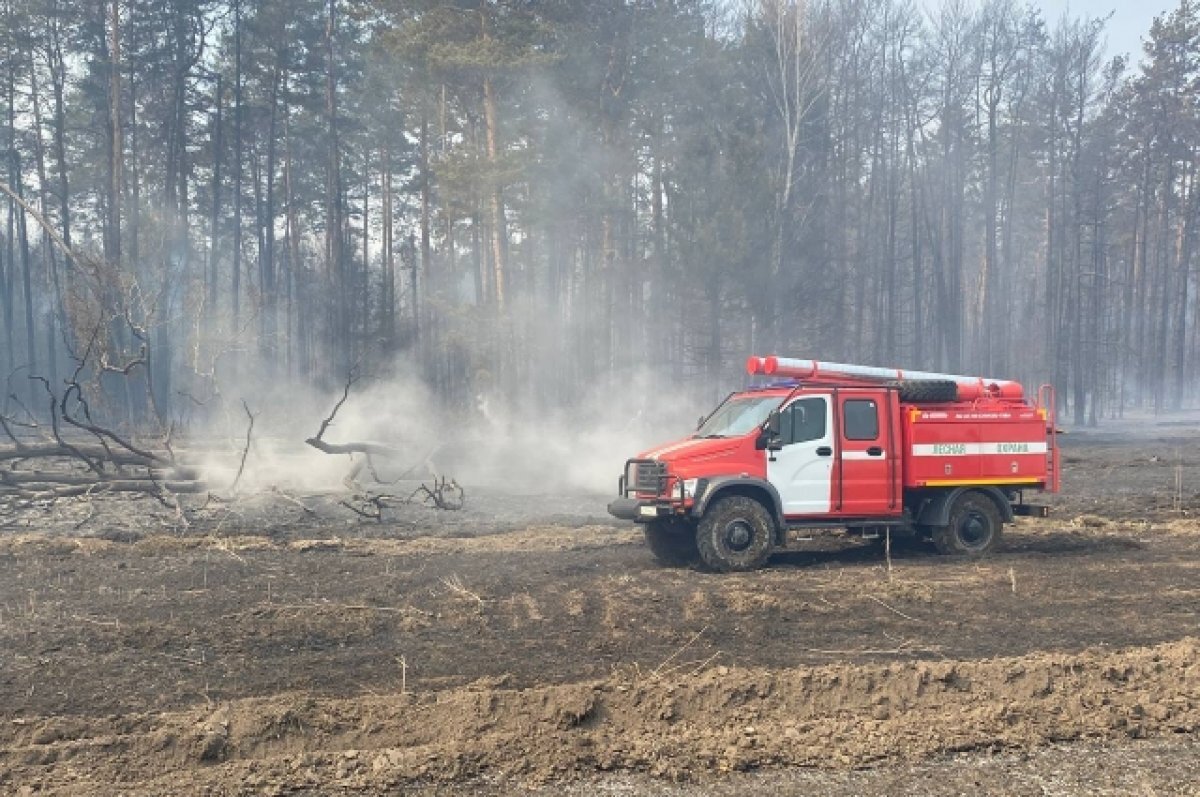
x: 990, y: 267
x: 31, y: 358
x: 916, y: 213
x: 426, y: 247
x: 389, y: 252
x: 477, y: 259
x: 297, y: 362
x: 495, y: 196
x: 212, y: 292
x: 1053, y: 266
x: 16, y: 219
x: 58, y: 79
x: 1163, y: 250
x: 132, y: 181
x: 1183, y: 260
x: 363, y: 282
x: 54, y: 319
x: 270, y: 273
x: 235, y: 298
x: 112, y: 237
x: 1078, y: 359
x: 334, y: 221
x: 1142, y: 281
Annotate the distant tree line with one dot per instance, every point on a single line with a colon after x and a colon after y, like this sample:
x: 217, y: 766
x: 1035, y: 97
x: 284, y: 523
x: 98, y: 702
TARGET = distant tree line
x: 526, y: 197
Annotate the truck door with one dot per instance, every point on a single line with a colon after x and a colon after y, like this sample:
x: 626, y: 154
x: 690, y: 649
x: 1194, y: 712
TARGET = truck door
x: 802, y: 468
x: 866, y: 463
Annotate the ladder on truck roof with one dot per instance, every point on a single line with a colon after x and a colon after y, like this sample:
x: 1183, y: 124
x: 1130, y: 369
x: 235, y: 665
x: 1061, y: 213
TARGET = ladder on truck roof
x: 969, y: 387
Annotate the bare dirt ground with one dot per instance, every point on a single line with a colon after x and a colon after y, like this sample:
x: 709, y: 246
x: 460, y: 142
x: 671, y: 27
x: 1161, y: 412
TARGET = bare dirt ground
x: 526, y: 644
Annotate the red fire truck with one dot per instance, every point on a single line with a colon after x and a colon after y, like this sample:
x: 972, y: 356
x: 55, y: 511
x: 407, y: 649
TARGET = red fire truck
x: 836, y: 446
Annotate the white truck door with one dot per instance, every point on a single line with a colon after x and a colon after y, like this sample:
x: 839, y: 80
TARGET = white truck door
x: 802, y: 469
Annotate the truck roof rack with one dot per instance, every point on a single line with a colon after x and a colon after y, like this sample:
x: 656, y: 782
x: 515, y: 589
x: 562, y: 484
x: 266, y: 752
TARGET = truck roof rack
x: 816, y: 372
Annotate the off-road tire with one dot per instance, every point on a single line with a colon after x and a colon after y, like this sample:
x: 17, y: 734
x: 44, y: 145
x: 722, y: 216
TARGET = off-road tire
x: 672, y: 542
x: 735, y: 534
x: 917, y: 391
x: 974, y: 527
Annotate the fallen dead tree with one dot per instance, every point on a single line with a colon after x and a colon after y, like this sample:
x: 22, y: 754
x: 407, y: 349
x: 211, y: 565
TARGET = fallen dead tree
x: 65, y: 467
x: 443, y: 493
x: 47, y: 473
x: 370, y: 503
x: 77, y: 455
x: 370, y: 500
x: 367, y: 449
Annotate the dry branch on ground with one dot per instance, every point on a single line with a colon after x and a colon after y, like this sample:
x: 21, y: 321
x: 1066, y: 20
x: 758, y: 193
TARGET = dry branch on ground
x: 366, y: 502
x: 79, y: 454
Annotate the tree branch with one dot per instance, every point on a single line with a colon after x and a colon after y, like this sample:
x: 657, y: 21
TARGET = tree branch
x: 246, y: 449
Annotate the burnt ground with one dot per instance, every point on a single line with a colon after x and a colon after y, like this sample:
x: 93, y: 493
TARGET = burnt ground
x: 526, y: 643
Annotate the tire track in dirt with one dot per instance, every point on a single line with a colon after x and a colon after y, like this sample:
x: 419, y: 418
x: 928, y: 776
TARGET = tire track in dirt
x: 686, y: 726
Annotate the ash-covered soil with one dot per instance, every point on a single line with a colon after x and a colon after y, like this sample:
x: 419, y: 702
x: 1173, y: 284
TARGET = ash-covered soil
x: 281, y: 644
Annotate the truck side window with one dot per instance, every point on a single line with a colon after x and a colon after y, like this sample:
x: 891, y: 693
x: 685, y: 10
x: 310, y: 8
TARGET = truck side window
x: 802, y: 421
x: 862, y: 419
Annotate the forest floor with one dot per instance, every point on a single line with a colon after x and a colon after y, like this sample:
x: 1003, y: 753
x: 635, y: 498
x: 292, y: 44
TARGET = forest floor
x: 525, y: 644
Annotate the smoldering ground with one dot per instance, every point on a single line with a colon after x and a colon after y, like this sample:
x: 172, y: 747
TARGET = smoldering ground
x: 498, y: 442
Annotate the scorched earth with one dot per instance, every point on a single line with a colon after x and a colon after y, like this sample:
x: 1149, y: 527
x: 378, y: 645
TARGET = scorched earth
x: 528, y: 644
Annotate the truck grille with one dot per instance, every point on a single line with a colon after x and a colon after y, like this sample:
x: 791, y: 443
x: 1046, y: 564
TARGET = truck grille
x: 646, y: 476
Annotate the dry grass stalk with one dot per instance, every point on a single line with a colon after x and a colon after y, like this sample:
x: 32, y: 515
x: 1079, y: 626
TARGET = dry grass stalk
x: 893, y: 609
x: 455, y: 585
x: 655, y: 672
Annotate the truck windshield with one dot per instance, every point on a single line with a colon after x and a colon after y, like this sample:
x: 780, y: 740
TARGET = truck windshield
x: 738, y: 416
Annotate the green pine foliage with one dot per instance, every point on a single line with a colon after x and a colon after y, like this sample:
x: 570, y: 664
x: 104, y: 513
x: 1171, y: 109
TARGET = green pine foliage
x: 524, y: 197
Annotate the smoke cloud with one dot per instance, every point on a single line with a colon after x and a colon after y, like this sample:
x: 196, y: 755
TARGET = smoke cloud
x: 500, y: 442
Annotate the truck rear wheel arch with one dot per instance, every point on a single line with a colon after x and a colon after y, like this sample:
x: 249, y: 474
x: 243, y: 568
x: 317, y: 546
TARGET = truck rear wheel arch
x: 936, y: 509
x: 757, y: 489
x: 974, y: 527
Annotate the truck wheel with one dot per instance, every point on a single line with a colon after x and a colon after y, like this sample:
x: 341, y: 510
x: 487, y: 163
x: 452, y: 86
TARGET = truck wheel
x: 736, y: 533
x: 672, y: 542
x: 974, y: 527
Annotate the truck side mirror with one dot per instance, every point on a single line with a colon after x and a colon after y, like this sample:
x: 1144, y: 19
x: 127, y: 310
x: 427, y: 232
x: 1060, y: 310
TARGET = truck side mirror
x: 773, y: 423
x: 768, y: 438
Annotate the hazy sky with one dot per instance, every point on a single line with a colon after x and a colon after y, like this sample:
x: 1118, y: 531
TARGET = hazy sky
x: 1129, y: 24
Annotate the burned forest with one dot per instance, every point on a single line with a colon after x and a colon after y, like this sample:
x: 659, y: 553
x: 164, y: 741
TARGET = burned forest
x: 331, y: 332
x: 521, y: 201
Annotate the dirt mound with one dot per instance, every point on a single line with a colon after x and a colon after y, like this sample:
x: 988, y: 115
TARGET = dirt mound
x: 683, y: 726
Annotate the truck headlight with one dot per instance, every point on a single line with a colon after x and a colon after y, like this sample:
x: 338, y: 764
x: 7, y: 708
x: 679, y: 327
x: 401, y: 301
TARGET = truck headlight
x: 689, y: 488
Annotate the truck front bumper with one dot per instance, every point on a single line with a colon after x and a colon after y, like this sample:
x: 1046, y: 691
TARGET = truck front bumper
x: 638, y: 511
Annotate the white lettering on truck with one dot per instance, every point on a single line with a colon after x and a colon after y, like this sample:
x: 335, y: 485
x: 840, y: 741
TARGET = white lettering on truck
x: 973, y: 449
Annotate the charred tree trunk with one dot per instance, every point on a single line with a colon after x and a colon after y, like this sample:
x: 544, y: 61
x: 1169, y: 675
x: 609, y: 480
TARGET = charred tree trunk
x: 334, y: 219
x: 388, y: 309
x: 426, y: 247
x: 54, y: 317
x: 498, y: 225
x: 270, y: 281
x: 235, y: 296
x: 116, y: 158
x: 212, y: 291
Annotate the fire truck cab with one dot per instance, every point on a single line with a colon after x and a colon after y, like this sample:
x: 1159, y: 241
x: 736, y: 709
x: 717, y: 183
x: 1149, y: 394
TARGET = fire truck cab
x: 836, y: 446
